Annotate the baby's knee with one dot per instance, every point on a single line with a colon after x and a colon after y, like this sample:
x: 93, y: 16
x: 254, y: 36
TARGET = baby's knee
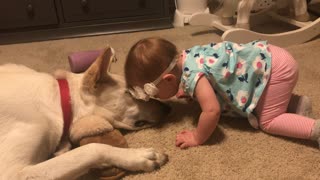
x: 265, y: 127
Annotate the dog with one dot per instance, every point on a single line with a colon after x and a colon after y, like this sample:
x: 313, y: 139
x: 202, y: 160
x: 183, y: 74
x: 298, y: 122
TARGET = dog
x: 36, y: 138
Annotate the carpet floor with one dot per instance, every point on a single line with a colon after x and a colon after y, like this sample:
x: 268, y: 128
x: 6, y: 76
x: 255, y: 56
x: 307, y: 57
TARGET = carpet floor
x: 235, y: 150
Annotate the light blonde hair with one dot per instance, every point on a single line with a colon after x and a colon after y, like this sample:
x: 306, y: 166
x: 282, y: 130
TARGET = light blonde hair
x: 147, y: 60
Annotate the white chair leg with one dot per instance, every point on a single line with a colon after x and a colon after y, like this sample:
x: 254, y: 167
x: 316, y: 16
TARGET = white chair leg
x: 244, y: 11
x: 300, y: 10
x: 178, y: 19
x: 228, y: 12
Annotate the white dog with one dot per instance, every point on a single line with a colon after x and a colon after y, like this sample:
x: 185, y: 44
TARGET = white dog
x: 33, y: 120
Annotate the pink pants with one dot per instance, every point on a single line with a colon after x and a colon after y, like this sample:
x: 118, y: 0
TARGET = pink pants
x: 272, y: 106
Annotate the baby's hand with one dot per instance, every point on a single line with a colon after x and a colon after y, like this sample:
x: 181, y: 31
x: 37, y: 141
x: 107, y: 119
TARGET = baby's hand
x: 181, y: 95
x: 186, y: 139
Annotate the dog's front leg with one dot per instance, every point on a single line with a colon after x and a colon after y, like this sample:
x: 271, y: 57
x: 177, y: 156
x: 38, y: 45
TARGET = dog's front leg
x: 77, y: 162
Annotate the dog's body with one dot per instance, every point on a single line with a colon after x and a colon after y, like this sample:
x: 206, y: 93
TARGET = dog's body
x: 31, y: 123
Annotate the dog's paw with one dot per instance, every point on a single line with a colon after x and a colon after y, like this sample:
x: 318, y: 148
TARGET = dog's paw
x: 143, y: 159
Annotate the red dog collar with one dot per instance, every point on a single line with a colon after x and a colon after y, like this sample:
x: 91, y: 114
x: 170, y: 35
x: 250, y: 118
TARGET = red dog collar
x: 65, y: 105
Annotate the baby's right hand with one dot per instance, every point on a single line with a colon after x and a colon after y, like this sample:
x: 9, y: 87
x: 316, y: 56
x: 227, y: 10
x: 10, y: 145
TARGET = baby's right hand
x: 186, y: 139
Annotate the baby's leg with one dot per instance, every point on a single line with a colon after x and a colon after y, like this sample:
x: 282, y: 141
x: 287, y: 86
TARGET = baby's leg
x: 272, y: 106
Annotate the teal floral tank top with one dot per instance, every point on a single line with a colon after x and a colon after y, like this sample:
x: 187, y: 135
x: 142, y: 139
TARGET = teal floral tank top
x: 238, y: 74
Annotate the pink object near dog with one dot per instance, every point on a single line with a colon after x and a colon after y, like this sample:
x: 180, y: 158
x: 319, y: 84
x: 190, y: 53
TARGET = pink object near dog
x: 80, y: 61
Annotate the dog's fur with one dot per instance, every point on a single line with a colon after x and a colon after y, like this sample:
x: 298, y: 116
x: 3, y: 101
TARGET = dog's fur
x: 31, y: 123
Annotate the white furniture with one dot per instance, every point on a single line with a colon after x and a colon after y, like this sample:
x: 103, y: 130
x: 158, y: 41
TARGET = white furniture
x: 306, y: 31
x: 186, y: 9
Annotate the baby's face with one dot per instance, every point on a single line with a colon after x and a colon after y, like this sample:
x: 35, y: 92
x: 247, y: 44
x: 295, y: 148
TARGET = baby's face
x: 167, y: 89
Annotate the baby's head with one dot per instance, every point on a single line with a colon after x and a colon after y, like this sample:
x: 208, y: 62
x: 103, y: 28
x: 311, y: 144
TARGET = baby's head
x: 150, y: 69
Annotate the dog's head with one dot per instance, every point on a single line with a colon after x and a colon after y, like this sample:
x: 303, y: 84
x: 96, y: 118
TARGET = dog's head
x: 114, y: 104
x: 138, y: 114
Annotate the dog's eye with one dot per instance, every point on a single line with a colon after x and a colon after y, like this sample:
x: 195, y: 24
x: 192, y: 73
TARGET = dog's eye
x: 140, y: 123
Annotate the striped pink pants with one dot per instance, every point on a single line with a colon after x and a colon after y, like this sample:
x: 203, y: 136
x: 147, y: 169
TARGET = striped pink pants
x: 272, y: 106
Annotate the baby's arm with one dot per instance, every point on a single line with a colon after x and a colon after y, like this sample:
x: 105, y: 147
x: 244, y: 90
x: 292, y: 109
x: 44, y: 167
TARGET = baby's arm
x: 208, y: 119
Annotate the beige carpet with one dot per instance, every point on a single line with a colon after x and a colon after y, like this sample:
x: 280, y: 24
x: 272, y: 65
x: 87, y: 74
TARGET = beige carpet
x: 235, y: 151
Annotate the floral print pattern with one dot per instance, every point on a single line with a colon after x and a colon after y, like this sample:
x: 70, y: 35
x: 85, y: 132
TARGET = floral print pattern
x: 237, y: 72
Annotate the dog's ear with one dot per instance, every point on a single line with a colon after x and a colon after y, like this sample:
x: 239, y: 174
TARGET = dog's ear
x: 98, y: 71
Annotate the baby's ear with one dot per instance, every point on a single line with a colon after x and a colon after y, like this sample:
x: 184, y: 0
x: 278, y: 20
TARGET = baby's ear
x: 98, y: 71
x: 169, y: 77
